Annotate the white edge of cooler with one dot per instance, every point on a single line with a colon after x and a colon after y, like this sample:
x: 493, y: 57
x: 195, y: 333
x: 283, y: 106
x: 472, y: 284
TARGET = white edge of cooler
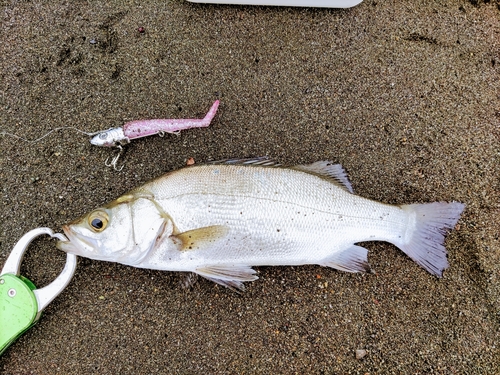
x: 294, y: 3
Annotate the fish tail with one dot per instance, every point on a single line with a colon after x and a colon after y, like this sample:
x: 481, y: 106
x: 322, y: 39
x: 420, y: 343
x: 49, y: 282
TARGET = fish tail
x: 424, y: 238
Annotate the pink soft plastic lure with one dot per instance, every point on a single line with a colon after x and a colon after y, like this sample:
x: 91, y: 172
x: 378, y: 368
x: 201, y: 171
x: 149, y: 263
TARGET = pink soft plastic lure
x: 116, y: 137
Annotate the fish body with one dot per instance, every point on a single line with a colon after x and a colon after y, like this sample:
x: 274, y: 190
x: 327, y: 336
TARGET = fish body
x: 219, y: 220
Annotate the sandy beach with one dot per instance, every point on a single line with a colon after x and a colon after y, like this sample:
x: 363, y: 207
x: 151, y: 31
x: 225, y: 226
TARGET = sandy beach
x: 404, y: 94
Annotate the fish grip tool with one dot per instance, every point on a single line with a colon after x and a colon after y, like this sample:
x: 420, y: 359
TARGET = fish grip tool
x: 21, y: 303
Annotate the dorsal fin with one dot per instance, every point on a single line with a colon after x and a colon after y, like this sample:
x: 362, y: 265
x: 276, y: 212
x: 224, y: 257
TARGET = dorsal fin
x: 327, y: 169
x: 262, y: 161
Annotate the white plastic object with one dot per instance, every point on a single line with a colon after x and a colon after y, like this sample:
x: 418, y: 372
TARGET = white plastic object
x: 46, y: 294
x: 289, y: 3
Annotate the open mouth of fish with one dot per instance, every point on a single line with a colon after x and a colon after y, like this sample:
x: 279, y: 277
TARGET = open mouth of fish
x: 77, y: 244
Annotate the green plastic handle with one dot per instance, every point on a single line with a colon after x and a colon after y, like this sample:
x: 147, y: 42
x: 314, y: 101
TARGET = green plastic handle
x: 18, y: 308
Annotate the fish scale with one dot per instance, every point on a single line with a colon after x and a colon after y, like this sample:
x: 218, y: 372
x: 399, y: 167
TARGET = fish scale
x: 219, y: 220
x: 280, y: 200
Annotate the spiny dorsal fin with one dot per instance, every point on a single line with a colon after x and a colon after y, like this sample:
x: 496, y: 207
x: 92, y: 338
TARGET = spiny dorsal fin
x: 262, y: 161
x: 327, y: 169
x: 324, y: 168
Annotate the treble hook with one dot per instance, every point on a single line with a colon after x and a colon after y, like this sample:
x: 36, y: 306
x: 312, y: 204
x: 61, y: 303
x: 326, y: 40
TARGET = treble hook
x: 114, y: 160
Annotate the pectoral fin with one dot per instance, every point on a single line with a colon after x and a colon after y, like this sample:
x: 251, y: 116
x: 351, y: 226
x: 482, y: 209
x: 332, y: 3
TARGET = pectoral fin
x: 231, y: 276
x: 352, y: 259
x: 200, y: 238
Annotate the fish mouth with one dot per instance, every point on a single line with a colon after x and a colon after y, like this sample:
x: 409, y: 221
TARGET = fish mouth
x: 77, y: 244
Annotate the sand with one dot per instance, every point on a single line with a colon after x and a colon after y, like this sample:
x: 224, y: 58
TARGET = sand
x: 405, y: 94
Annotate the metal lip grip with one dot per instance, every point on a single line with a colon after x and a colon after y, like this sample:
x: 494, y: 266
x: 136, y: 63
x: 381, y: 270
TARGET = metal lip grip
x: 21, y: 304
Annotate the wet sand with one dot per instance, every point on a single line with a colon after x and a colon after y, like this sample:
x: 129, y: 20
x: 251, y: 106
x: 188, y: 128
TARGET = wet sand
x: 406, y: 95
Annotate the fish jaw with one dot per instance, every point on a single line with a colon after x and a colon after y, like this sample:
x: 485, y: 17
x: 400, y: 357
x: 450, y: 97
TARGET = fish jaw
x: 78, y: 244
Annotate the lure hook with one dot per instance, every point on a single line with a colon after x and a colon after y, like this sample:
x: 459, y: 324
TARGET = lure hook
x: 114, y: 160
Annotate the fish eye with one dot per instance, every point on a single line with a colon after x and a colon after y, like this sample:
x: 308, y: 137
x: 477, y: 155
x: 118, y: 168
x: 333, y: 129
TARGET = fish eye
x: 97, y: 224
x: 98, y: 221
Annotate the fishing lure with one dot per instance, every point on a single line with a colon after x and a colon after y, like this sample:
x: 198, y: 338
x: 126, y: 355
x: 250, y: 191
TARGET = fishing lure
x: 119, y: 137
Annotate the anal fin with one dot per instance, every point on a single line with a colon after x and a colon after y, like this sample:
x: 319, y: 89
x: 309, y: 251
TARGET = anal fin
x: 231, y: 276
x: 352, y: 259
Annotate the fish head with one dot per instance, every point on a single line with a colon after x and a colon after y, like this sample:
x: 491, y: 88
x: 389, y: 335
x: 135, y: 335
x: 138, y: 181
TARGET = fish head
x: 101, y: 234
x: 122, y: 231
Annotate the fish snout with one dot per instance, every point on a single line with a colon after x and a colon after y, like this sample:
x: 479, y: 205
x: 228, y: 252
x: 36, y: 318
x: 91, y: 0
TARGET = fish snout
x: 66, y: 246
x: 67, y: 231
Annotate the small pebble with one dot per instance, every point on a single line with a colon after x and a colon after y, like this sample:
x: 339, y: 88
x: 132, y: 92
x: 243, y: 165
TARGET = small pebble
x: 190, y: 161
x: 360, y: 353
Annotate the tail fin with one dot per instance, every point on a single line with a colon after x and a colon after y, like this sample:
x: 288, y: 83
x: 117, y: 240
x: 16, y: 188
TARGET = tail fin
x: 424, y: 240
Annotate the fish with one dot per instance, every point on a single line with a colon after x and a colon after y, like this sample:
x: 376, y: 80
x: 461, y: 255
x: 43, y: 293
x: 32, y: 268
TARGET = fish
x: 220, y: 219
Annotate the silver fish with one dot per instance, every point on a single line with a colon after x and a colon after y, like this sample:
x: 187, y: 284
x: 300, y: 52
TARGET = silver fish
x: 220, y: 219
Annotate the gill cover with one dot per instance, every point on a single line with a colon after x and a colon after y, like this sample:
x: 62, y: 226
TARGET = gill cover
x: 124, y: 231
